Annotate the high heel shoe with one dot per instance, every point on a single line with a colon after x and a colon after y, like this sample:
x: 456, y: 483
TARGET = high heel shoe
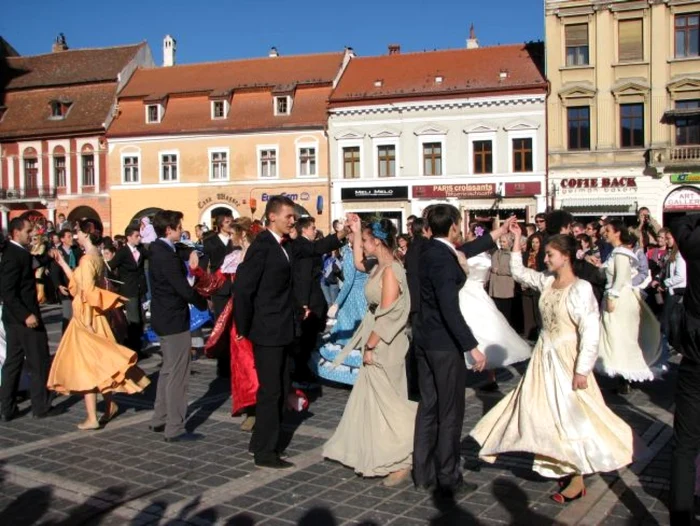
x: 107, y: 417
x: 563, y: 499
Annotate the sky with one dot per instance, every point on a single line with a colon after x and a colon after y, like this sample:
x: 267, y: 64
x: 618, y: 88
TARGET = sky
x: 219, y: 30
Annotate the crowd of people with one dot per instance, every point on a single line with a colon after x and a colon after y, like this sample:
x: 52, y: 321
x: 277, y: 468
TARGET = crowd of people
x: 402, y: 319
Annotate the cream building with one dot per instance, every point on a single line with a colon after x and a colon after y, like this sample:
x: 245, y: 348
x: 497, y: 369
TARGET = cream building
x: 624, y: 106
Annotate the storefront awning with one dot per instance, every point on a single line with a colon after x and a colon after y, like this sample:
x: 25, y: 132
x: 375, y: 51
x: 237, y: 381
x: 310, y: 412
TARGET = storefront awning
x: 618, y: 205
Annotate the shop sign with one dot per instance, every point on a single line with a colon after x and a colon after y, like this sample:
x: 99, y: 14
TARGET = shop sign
x: 219, y: 198
x: 460, y: 191
x: 683, y: 199
x: 385, y: 192
x: 685, y: 178
x: 523, y: 189
x: 603, y: 183
x: 303, y: 196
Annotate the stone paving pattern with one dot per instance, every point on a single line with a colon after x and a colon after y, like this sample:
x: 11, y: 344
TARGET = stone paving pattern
x: 51, y: 473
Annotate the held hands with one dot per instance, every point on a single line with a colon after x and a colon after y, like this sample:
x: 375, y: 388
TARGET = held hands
x: 479, y: 359
x: 609, y: 305
x: 580, y: 382
x: 353, y: 222
x: 506, y: 226
x: 194, y: 259
x: 513, y: 227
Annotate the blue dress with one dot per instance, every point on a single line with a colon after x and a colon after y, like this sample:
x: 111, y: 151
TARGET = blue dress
x: 352, y: 306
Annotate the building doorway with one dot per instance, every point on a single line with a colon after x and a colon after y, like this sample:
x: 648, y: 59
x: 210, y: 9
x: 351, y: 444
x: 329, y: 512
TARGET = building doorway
x: 207, y: 217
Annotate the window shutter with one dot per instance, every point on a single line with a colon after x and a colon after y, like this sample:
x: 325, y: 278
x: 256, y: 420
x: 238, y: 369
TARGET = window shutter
x: 576, y: 35
x: 630, y: 40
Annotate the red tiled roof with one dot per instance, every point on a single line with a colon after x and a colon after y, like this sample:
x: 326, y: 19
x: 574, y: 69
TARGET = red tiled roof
x: 463, y: 71
x: 235, y: 74
x: 74, y: 66
x: 28, y: 112
x: 250, y: 111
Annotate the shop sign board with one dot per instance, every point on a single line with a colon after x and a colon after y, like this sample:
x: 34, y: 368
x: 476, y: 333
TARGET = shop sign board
x: 459, y: 191
x: 374, y: 193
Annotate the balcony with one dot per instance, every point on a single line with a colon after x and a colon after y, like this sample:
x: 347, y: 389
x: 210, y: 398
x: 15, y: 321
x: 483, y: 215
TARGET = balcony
x: 28, y: 194
x: 675, y: 156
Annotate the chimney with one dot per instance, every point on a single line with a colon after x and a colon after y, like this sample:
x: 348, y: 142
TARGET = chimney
x: 472, y: 42
x: 59, y: 44
x: 394, y: 49
x: 169, y: 46
x: 273, y: 52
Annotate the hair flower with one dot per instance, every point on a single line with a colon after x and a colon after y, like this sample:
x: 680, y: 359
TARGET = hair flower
x: 378, y: 232
x: 479, y: 231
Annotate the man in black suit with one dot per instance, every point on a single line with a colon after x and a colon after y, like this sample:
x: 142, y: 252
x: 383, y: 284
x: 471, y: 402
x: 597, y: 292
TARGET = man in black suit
x: 264, y: 312
x: 216, y: 248
x: 130, y: 263
x: 171, y: 295
x: 25, y: 330
x: 71, y: 254
x: 442, y: 337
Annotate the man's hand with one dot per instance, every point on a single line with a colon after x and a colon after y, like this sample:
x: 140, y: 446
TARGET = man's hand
x: 307, y: 312
x: 31, y: 322
x: 353, y: 222
x: 609, y: 305
x: 479, y: 359
x: 194, y: 259
x: 580, y: 382
x: 63, y: 290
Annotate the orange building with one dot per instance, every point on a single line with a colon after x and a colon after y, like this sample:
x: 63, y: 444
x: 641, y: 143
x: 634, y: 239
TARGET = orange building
x: 226, y: 135
x: 54, y: 110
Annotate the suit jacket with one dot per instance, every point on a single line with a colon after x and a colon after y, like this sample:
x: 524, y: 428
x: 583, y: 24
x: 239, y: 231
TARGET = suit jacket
x: 18, y: 286
x: 411, y: 260
x: 131, y: 274
x: 686, y: 232
x: 171, y: 293
x: 216, y: 251
x: 440, y: 325
x: 58, y: 277
x: 264, y: 304
x: 306, y: 276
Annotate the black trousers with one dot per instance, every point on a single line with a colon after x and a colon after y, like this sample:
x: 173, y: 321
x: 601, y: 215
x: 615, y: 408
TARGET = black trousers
x: 32, y: 344
x: 686, y: 428
x: 223, y: 349
x: 134, y: 325
x: 505, y: 307
x: 437, y: 441
x: 311, y: 327
x: 272, y: 365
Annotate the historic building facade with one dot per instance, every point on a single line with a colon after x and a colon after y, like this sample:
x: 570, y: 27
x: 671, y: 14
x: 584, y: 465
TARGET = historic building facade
x: 202, y: 137
x: 54, y: 110
x: 624, y: 106
x: 465, y: 126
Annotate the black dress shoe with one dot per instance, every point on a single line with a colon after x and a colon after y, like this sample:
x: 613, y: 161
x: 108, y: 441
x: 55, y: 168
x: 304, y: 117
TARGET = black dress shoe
x: 457, y: 492
x: 6, y: 417
x: 157, y: 429
x: 273, y: 463
x: 184, y: 437
x: 490, y: 387
x: 54, y: 411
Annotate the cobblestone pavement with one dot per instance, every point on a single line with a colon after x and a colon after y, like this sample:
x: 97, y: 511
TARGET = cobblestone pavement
x: 51, y: 473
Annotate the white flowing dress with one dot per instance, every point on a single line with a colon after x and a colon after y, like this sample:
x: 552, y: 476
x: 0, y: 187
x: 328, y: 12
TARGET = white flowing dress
x: 497, y: 339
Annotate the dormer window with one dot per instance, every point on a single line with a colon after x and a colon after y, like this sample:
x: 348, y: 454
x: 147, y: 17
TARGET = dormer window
x: 219, y: 109
x: 283, y: 105
x: 59, y: 109
x: 153, y: 113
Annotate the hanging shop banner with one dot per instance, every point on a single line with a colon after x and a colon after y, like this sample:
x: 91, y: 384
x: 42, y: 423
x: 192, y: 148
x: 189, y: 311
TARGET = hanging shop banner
x: 685, y: 178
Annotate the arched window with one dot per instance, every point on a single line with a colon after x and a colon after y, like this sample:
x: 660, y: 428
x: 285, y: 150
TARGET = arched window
x: 87, y: 161
x: 30, y: 161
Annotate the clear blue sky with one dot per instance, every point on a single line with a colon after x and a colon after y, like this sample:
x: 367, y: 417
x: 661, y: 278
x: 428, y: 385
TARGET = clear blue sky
x: 207, y: 30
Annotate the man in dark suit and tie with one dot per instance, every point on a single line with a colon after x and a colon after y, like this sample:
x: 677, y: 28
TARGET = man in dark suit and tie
x: 216, y: 248
x: 264, y: 312
x: 130, y: 263
x: 26, y: 333
x: 71, y: 254
x: 171, y: 295
x: 442, y: 337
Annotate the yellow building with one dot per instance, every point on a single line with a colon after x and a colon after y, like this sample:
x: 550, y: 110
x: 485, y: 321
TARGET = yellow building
x: 624, y: 106
x: 201, y: 137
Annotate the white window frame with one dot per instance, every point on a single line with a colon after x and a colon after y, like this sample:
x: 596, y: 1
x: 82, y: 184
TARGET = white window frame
x: 483, y: 136
x: 422, y: 139
x: 176, y: 153
x: 160, y: 113
x: 522, y: 134
x: 299, y: 147
x: 289, y: 104
x: 376, y: 143
x: 226, y: 108
x: 65, y: 168
x: 350, y: 143
x: 265, y: 147
x: 124, y: 155
x: 211, y: 152
x: 95, y: 167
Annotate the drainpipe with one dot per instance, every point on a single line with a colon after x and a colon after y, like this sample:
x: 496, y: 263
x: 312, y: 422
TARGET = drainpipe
x: 546, y: 142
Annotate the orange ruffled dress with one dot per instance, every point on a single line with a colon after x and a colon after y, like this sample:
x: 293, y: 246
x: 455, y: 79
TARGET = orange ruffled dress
x: 91, y: 360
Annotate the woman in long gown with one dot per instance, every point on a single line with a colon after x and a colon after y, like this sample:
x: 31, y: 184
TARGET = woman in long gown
x: 557, y: 411
x: 375, y: 434
x: 89, y: 360
x: 630, y: 334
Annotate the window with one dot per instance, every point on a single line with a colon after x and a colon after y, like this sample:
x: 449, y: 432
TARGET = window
x: 88, y: 169
x: 282, y: 105
x: 432, y: 158
x: 131, y: 169
x: 218, y: 109
x: 687, y: 33
x: 152, y: 113
x: 386, y: 155
x: 31, y: 170
x: 631, y: 125
x: 57, y: 110
x: 268, y: 163
x: 630, y: 46
x: 219, y: 165
x: 688, y: 128
x: 579, y: 125
x: 576, y: 37
x: 483, y: 157
x: 522, y: 155
x: 168, y: 163
x: 351, y: 162
x: 59, y: 171
x: 307, y: 161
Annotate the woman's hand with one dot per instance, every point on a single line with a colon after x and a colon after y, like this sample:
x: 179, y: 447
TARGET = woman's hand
x: 609, y: 305
x: 368, y: 357
x: 580, y: 382
x: 194, y: 259
x: 353, y: 221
